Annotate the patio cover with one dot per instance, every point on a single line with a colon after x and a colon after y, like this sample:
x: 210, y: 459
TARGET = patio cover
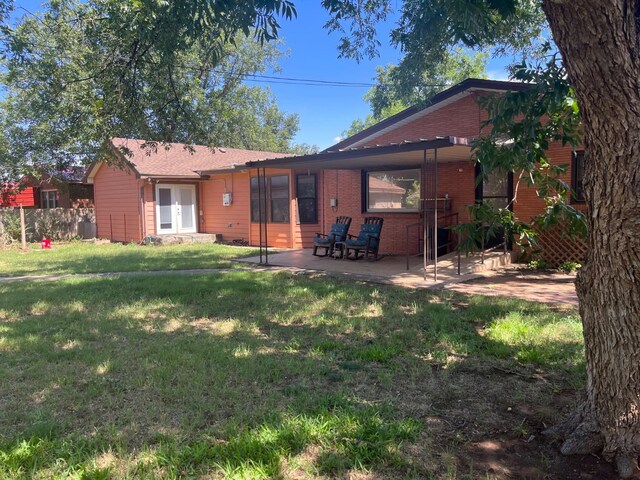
x: 404, y: 154
x: 421, y: 153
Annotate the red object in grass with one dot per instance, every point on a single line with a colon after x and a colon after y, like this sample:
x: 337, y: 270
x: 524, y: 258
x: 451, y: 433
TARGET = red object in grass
x: 46, y: 243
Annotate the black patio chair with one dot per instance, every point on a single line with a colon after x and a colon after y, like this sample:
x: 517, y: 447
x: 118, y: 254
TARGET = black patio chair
x: 367, y: 241
x: 337, y: 233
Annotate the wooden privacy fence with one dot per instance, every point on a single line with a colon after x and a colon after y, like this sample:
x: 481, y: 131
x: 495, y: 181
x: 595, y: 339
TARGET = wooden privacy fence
x: 54, y: 223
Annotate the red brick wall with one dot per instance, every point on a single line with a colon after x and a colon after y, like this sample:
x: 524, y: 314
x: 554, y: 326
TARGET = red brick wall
x: 461, y: 118
x: 556, y: 246
x: 455, y: 179
x: 529, y: 205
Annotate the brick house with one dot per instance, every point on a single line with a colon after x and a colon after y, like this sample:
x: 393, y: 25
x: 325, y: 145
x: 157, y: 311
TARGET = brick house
x: 413, y: 168
x: 147, y: 190
x: 429, y: 145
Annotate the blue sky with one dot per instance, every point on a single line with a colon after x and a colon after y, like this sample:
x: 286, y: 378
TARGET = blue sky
x: 324, y: 111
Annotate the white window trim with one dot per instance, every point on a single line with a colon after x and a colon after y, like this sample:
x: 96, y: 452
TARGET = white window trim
x: 46, y: 193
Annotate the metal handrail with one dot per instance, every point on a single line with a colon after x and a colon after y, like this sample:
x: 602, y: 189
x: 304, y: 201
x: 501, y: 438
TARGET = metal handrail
x: 491, y: 249
x: 420, y: 224
x: 407, y: 228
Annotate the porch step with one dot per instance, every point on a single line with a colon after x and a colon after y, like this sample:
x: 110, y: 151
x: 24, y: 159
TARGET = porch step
x: 183, y: 238
x: 491, y: 262
x: 471, y: 263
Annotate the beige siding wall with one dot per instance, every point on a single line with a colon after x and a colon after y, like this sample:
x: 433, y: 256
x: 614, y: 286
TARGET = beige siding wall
x: 117, y: 198
x: 149, y: 211
x: 232, y: 221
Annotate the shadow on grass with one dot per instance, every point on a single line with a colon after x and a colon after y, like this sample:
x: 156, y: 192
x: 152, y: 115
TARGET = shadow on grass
x: 250, y: 375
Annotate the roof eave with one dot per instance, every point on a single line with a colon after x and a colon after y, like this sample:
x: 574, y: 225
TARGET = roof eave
x: 455, y: 92
x: 235, y: 168
x: 150, y: 176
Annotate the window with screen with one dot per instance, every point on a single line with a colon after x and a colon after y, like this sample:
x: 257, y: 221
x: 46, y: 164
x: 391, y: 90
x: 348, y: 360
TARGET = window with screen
x: 279, y: 198
x: 49, y: 199
x: 495, y: 189
x: 274, y: 193
x: 258, y: 200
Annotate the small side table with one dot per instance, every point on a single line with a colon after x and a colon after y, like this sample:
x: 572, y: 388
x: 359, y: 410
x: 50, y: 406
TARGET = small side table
x: 338, y: 250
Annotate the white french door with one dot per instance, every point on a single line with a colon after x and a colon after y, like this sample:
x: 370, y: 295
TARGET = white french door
x: 176, y: 208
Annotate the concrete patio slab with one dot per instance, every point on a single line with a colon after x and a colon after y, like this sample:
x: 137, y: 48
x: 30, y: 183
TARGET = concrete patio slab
x: 495, y: 277
x: 390, y: 269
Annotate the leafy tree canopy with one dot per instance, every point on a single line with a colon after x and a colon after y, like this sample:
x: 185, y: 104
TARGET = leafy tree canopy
x: 393, y: 93
x: 84, y: 71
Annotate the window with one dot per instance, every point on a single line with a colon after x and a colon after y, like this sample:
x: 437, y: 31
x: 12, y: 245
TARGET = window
x: 257, y: 199
x: 49, y: 199
x: 393, y: 190
x: 307, y: 198
x: 577, y: 177
x: 495, y: 189
x: 277, y: 197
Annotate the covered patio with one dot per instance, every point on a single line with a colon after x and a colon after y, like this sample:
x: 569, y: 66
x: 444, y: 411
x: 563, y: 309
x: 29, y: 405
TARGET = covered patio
x: 432, y: 211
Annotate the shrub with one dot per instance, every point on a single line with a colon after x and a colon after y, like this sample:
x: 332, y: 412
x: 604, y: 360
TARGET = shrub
x: 538, y: 264
x: 48, y: 225
x: 11, y: 224
x: 570, y: 267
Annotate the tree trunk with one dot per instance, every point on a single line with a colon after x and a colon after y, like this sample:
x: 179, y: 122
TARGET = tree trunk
x: 599, y: 44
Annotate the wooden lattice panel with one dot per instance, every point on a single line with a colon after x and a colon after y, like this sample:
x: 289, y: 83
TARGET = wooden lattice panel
x: 558, y: 247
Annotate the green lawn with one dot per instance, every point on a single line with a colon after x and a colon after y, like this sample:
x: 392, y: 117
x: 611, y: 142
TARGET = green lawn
x: 267, y: 375
x: 87, y: 257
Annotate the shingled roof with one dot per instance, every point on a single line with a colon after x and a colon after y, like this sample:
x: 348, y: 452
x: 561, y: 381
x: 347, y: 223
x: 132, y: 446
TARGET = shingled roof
x: 177, y: 160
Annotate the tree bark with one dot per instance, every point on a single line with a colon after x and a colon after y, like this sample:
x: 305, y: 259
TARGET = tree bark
x: 599, y: 44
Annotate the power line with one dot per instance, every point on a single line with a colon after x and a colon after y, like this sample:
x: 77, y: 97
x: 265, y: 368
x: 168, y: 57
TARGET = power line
x: 305, y: 83
x: 319, y: 83
x: 315, y: 81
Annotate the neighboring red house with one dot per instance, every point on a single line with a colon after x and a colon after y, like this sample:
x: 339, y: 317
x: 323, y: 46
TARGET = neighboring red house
x: 420, y: 153
x: 14, y: 194
x: 64, y: 189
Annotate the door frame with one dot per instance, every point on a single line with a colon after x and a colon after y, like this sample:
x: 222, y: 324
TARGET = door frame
x: 176, y: 208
